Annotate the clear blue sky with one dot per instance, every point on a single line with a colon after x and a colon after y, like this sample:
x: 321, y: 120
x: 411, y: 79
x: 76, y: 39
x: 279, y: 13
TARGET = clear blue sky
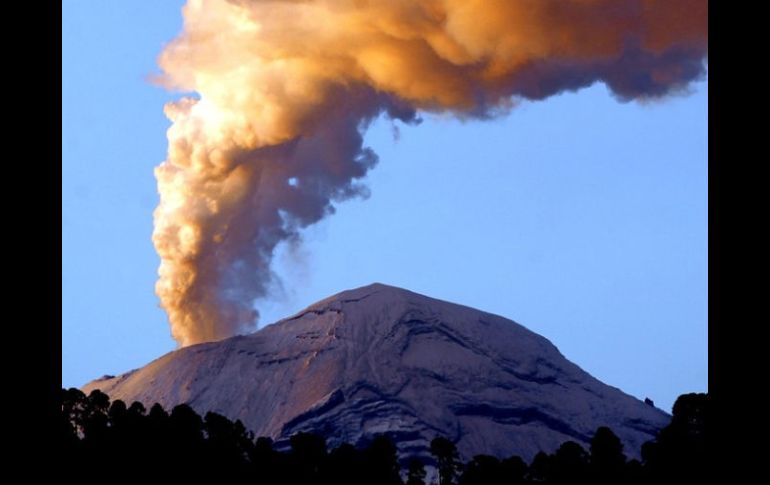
x: 580, y: 217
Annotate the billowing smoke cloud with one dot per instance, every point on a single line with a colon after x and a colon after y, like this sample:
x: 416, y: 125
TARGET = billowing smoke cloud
x: 286, y: 88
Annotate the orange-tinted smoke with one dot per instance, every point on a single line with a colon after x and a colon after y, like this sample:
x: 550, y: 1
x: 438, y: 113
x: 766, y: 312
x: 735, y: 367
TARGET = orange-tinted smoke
x: 285, y: 90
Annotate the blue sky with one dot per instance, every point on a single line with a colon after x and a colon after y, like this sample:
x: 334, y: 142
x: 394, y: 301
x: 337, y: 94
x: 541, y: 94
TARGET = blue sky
x: 580, y: 217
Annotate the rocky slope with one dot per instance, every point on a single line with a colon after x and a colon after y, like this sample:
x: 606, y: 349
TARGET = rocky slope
x: 379, y: 359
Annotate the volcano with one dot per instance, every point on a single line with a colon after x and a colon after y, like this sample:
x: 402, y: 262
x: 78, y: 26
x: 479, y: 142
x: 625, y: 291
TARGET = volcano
x: 383, y: 360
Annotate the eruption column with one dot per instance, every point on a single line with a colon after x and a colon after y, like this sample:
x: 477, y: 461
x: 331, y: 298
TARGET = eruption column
x: 286, y: 88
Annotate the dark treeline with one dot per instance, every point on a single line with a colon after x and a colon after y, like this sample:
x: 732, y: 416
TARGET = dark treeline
x: 104, y: 440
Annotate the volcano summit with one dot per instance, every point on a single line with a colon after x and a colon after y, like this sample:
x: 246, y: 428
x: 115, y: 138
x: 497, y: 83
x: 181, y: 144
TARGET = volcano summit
x: 383, y: 360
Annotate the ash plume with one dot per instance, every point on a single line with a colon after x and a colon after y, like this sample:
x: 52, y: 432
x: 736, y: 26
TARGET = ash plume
x: 286, y: 88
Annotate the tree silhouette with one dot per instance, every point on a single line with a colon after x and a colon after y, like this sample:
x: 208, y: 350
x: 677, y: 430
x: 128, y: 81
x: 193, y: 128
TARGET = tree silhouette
x: 679, y: 451
x: 449, y: 464
x: 267, y: 463
x: 607, y: 458
x: 415, y: 472
x: 308, y: 454
x: 107, y: 438
x: 98, y: 401
x: 381, y: 457
x: 228, y: 444
x: 514, y: 470
x: 482, y: 470
x: 569, y: 464
x: 347, y: 465
x: 540, y: 470
x: 95, y: 419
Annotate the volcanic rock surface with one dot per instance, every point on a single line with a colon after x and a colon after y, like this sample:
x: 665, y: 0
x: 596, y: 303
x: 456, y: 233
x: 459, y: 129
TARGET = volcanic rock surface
x: 383, y: 360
